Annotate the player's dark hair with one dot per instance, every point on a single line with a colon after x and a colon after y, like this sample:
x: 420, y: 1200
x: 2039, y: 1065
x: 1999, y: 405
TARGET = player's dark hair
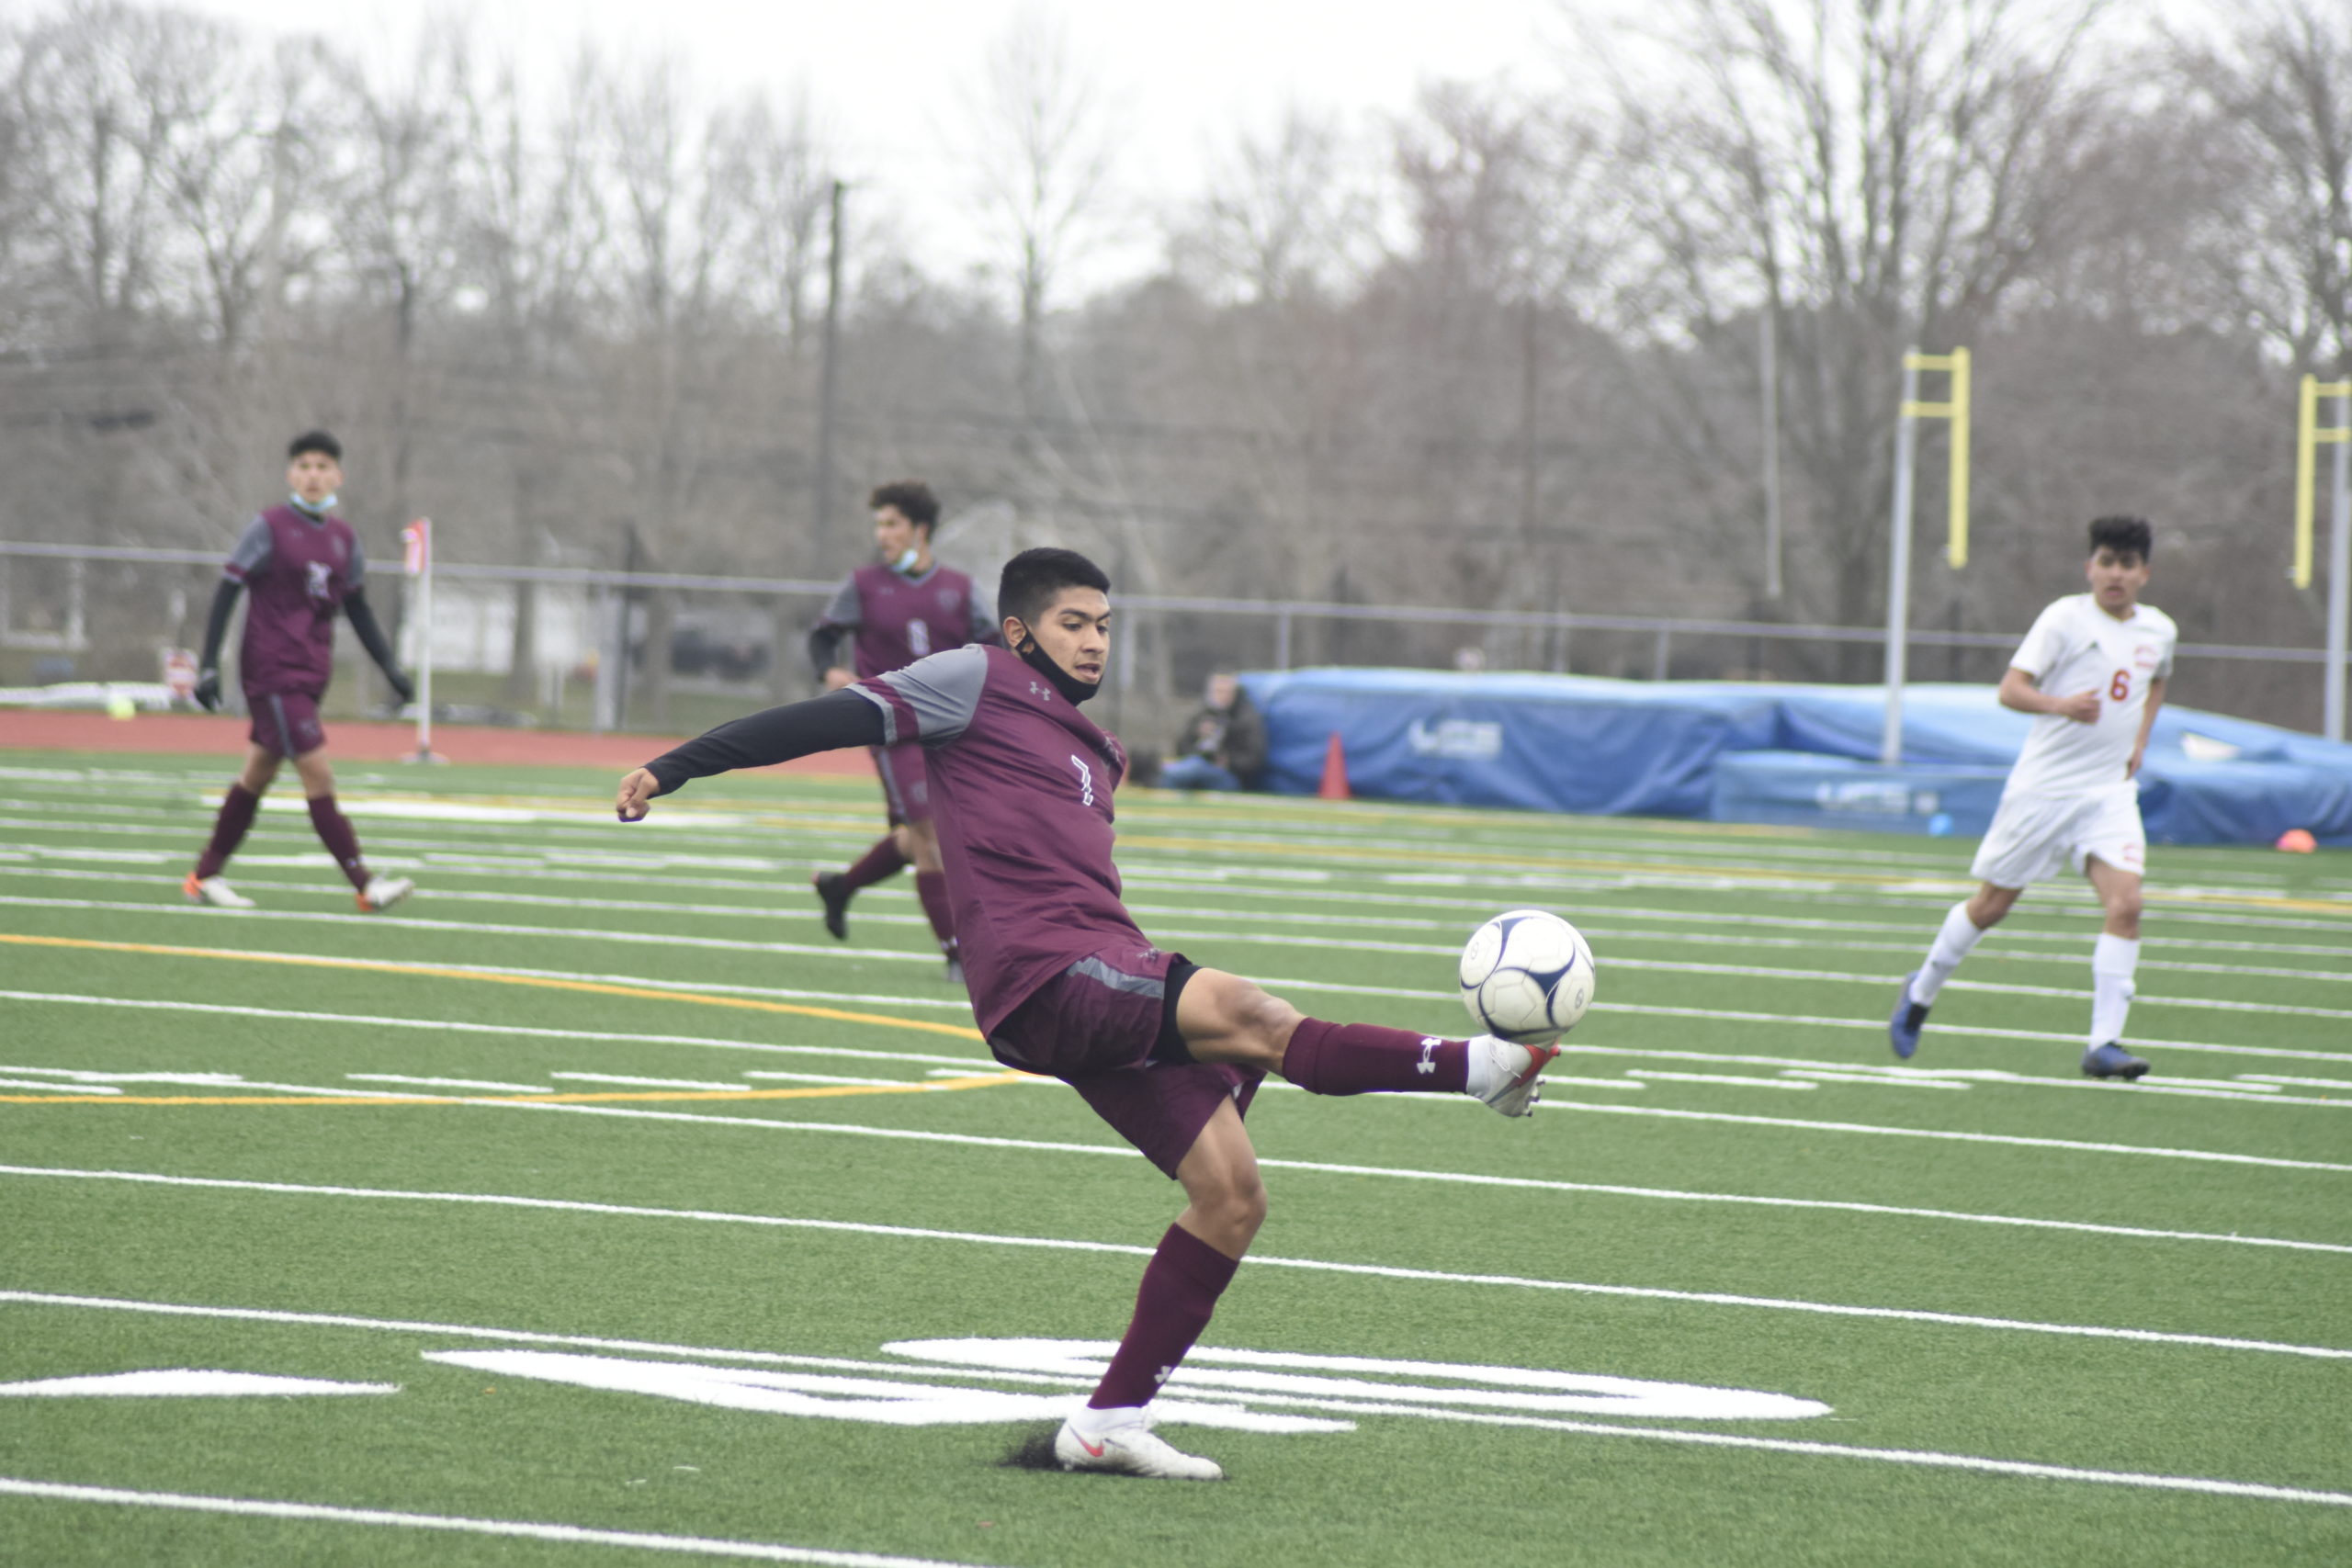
x: 913, y: 498
x: 1033, y: 578
x: 314, y: 441
x: 2124, y: 535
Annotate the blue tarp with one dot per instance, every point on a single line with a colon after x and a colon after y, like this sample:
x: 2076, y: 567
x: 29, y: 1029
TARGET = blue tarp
x: 1742, y: 752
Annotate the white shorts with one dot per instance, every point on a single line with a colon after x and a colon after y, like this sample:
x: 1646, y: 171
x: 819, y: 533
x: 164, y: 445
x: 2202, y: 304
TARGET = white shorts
x: 2032, y: 836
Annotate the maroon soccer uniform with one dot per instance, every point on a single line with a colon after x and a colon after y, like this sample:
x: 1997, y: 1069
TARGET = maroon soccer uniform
x: 297, y: 570
x: 893, y: 620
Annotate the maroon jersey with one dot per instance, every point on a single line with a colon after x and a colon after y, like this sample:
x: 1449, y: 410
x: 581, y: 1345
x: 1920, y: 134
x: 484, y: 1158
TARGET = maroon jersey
x: 297, y: 570
x: 1021, y: 789
x: 898, y: 619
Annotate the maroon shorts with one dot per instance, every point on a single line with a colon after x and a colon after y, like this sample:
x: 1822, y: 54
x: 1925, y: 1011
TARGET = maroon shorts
x: 285, y: 722
x: 906, y: 782
x: 1106, y: 1026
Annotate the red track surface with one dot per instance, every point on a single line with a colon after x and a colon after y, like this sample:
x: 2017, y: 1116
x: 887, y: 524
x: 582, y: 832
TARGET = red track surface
x: 48, y: 730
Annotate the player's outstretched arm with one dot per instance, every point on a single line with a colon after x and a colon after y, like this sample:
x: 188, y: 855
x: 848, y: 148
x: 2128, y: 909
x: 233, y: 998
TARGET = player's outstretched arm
x: 216, y: 631
x: 828, y: 723
x: 362, y: 616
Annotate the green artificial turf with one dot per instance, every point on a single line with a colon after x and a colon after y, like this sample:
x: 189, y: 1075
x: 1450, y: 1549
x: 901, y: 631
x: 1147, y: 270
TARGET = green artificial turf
x: 1614, y: 1235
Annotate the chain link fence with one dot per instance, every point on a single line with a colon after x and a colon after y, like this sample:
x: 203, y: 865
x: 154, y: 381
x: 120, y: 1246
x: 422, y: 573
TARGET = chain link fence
x: 580, y: 649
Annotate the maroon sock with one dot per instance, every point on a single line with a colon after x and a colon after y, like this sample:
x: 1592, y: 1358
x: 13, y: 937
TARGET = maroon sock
x: 1363, y: 1058
x: 335, y: 832
x: 883, y: 859
x: 1181, y: 1285
x: 931, y: 887
x: 237, y: 808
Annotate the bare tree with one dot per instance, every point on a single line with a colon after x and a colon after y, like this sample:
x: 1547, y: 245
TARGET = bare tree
x: 1287, y: 214
x: 1873, y: 175
x: 2277, y: 90
x: 1042, y: 138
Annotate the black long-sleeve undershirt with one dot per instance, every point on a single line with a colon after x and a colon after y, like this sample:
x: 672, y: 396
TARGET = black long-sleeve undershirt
x: 829, y: 723
x: 825, y: 647
x: 362, y: 616
x: 216, y: 625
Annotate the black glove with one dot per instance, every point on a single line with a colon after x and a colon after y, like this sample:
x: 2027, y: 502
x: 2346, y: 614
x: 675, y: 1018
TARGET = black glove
x: 400, y: 687
x: 208, y: 690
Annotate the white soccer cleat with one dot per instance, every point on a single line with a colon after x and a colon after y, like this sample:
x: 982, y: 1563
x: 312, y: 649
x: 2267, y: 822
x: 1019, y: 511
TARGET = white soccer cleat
x: 215, y: 891
x: 1511, y: 1072
x: 1130, y: 1449
x: 383, y: 891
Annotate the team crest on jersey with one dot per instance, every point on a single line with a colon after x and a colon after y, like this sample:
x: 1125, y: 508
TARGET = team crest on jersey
x: 2145, y: 656
x: 949, y: 599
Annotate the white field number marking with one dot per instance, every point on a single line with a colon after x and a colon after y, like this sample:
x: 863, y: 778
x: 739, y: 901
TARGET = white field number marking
x: 1212, y: 1388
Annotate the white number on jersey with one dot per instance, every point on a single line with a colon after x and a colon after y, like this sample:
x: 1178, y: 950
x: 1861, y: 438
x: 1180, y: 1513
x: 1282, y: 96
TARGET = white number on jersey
x: 1085, y: 778
x: 918, y: 637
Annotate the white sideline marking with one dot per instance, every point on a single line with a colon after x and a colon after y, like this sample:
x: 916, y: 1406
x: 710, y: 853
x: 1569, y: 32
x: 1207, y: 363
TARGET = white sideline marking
x: 54, y: 1088
x: 1873, y: 1025
x: 1827, y: 1075
x: 443, y: 1026
x: 451, y: 1083
x: 181, y: 1382
x: 647, y: 1083
x: 2299, y: 1083
x: 1058, y: 1244
x: 2016, y: 1140
x: 896, y: 955
x: 1667, y: 1076
x: 1777, y: 1445
x: 569, y: 1535
x: 82, y: 1081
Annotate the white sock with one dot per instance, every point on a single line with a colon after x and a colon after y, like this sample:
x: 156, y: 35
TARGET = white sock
x: 1959, y: 935
x: 2113, y: 962
x: 1089, y: 1422
x: 1484, y: 1073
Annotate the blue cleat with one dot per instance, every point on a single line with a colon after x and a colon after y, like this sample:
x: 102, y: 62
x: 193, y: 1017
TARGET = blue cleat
x: 1910, y: 1017
x: 2112, y: 1061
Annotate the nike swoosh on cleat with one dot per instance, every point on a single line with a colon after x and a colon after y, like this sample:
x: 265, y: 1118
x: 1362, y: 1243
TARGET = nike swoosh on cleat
x: 1094, y: 1451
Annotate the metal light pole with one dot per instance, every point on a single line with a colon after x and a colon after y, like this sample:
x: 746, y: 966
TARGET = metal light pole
x: 2339, y: 533
x: 1898, y: 566
x: 1768, y: 374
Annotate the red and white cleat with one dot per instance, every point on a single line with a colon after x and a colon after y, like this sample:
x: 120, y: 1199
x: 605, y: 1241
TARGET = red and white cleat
x: 1503, y: 1076
x: 383, y: 891
x: 1129, y: 1448
x: 215, y: 891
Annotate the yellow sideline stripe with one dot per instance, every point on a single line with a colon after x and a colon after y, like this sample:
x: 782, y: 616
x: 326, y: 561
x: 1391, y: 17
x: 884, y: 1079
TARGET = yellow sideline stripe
x: 599, y: 988
x: 827, y: 1091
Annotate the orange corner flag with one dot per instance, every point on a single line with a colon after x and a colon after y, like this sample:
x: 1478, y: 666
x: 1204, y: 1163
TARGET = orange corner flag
x: 1335, y: 771
x: 2297, y: 840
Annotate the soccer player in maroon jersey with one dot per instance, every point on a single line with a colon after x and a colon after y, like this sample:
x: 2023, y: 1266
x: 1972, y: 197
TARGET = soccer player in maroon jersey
x: 899, y: 608
x: 301, y: 564
x: 1065, y: 984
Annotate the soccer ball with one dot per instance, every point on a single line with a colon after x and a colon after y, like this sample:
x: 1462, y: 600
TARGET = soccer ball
x: 1527, y: 976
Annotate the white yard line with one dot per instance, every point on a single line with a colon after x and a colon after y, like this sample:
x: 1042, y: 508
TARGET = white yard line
x: 1318, y: 1265
x: 524, y: 1030
x: 566, y: 1535
x: 894, y: 955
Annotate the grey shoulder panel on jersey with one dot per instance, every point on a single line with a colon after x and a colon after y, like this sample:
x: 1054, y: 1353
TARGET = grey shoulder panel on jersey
x: 356, y: 569
x: 845, y: 608
x: 982, y: 604
x: 253, y: 547
x: 944, y: 691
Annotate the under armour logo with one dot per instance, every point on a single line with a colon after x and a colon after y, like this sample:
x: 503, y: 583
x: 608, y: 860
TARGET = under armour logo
x: 1041, y: 694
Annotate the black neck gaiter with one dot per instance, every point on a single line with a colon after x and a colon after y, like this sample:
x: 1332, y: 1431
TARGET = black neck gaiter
x: 1073, y: 690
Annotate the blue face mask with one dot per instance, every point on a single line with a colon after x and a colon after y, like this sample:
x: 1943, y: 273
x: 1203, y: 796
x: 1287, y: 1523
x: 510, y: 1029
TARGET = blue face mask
x: 318, y: 510
x: 905, y: 565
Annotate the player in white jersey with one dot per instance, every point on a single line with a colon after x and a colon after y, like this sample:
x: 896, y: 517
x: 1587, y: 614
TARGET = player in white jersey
x: 2093, y: 668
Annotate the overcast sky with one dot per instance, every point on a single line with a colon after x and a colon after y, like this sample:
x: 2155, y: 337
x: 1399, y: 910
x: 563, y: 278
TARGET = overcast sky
x: 890, y: 78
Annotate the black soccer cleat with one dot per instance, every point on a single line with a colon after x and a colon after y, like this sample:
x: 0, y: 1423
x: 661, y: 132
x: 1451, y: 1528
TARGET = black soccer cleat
x: 835, y: 897
x: 1910, y: 1017
x: 2113, y: 1061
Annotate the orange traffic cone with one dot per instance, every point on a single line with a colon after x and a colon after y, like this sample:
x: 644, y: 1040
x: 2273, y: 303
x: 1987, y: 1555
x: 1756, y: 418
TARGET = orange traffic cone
x: 1335, y: 771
